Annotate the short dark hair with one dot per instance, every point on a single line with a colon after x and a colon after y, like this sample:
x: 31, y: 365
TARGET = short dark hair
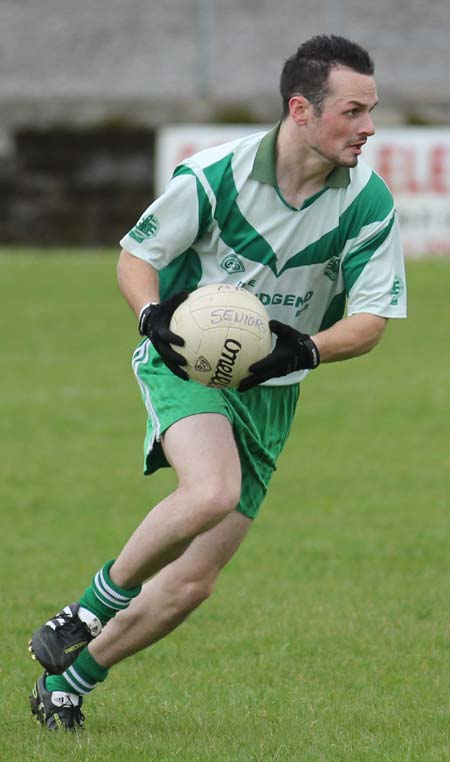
x: 306, y: 72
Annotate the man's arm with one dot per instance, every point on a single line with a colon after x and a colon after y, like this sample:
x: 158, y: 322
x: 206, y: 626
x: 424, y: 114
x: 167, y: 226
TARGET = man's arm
x: 350, y: 337
x: 138, y: 281
x: 293, y: 350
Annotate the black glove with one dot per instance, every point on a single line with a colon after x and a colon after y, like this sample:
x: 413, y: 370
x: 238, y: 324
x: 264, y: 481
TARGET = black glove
x: 293, y: 351
x: 154, y: 322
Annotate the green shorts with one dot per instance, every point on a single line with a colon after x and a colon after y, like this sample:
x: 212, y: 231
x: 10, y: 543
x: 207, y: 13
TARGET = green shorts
x: 261, y: 420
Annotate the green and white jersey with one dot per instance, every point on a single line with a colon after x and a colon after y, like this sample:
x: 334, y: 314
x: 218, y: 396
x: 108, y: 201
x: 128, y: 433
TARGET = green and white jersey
x: 222, y: 219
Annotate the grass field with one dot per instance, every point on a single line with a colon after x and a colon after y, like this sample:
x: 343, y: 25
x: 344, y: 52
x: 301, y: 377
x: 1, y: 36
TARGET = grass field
x: 327, y: 639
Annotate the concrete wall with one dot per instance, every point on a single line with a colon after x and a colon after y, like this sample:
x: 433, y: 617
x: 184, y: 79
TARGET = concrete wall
x: 84, y: 85
x: 74, y: 61
x: 79, y: 187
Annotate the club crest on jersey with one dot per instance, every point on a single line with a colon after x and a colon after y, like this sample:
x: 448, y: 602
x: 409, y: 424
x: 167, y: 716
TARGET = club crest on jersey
x: 332, y: 268
x: 232, y: 264
x: 396, y: 290
x: 147, y: 227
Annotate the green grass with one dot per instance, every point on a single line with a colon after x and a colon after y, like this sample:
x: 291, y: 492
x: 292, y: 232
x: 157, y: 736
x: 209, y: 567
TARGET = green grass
x: 327, y: 638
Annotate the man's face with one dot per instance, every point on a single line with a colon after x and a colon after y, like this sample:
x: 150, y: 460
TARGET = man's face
x: 344, y: 125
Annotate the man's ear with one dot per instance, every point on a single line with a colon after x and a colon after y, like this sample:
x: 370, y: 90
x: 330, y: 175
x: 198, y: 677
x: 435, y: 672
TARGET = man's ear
x: 300, y: 109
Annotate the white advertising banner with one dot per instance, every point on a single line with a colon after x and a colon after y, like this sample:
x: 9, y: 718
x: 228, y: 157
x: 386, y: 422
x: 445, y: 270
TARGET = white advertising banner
x: 415, y: 162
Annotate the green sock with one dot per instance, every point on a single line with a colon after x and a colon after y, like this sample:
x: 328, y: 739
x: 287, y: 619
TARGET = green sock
x: 104, y: 598
x: 81, y: 677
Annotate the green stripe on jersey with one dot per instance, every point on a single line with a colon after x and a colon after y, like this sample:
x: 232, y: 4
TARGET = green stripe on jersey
x: 356, y: 261
x: 373, y: 204
x: 335, y: 311
x: 236, y: 231
x: 204, y: 207
x: 185, y: 271
x: 373, y: 197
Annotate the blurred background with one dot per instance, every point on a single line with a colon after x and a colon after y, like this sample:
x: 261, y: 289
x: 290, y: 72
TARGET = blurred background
x: 87, y: 90
x: 328, y: 639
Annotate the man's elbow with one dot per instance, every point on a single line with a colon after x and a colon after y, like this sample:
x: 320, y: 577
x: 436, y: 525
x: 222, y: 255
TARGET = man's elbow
x: 375, y: 329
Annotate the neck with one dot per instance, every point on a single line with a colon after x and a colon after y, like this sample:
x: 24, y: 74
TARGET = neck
x: 300, y: 170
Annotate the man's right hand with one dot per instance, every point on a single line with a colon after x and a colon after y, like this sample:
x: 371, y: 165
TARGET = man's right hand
x: 154, y: 322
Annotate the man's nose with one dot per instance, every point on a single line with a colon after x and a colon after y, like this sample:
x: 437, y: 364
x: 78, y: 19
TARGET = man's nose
x: 367, y: 126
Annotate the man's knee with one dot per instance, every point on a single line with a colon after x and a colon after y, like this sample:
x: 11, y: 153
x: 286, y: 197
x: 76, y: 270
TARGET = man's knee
x: 195, y: 591
x: 211, y: 501
x: 221, y: 498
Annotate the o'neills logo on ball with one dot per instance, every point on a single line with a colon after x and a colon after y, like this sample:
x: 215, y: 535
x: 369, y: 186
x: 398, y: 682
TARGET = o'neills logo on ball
x: 223, y: 372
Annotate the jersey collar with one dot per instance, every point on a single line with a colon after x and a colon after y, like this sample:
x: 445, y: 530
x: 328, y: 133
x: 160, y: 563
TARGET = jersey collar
x: 264, y: 164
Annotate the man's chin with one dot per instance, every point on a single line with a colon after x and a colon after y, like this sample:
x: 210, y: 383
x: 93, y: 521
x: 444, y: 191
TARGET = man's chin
x: 349, y: 162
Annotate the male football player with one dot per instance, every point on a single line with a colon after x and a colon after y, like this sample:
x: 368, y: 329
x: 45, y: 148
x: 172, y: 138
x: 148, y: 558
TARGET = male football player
x: 313, y: 232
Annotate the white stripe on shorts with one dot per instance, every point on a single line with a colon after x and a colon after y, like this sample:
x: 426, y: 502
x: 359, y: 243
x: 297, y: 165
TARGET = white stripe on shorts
x: 140, y: 357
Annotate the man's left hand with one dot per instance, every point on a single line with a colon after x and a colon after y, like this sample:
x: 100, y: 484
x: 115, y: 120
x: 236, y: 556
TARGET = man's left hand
x: 293, y: 351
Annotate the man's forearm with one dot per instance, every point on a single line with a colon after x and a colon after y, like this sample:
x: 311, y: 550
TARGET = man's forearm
x: 138, y: 281
x: 350, y: 337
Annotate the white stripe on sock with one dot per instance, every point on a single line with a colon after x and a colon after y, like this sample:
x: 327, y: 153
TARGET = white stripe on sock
x: 111, y: 591
x: 75, y: 676
x: 76, y: 687
x: 105, y: 597
x: 102, y: 595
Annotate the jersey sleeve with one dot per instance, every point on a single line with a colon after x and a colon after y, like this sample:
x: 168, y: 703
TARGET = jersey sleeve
x: 373, y: 265
x: 171, y: 224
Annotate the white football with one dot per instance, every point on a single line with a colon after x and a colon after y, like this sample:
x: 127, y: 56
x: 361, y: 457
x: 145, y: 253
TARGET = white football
x: 225, y: 329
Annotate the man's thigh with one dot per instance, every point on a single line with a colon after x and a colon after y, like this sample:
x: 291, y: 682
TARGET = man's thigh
x: 201, y: 448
